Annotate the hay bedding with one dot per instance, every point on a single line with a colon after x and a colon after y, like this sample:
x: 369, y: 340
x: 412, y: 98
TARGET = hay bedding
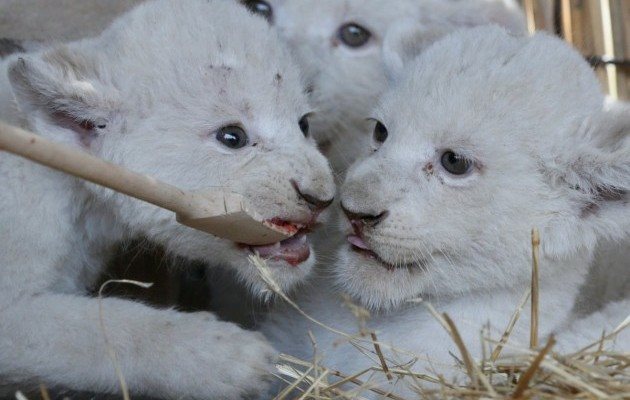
x: 592, y: 373
x: 540, y: 372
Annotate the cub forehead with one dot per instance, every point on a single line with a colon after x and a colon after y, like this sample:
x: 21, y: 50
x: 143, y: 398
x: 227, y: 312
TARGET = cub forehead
x: 197, y: 50
x: 487, y: 82
x: 167, y: 36
x: 492, y: 62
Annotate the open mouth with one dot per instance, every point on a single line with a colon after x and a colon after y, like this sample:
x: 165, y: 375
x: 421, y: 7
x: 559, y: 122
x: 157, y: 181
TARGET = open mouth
x: 294, y: 250
x: 287, y: 227
x: 358, y: 245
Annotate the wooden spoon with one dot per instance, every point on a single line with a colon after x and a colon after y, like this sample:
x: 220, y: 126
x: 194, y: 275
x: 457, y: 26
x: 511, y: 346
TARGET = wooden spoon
x: 219, y: 212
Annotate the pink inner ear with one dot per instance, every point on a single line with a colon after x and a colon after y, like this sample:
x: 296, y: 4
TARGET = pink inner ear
x: 85, y: 129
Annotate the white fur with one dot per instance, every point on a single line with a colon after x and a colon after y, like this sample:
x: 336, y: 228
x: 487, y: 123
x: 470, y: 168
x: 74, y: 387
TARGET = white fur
x: 609, y: 279
x: 528, y: 111
x: 163, y: 78
x: 346, y: 82
x: 409, y: 37
x: 581, y: 332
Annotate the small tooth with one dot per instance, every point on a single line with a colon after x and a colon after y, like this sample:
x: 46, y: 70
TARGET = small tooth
x: 303, y: 239
x: 277, y: 245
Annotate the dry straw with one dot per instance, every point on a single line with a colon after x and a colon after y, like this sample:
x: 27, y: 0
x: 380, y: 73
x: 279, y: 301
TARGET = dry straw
x: 594, y: 372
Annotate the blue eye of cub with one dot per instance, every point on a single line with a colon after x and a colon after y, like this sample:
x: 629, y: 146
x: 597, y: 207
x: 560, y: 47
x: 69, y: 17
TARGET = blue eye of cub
x: 233, y: 137
x: 455, y: 164
x: 260, y: 7
x: 354, y: 35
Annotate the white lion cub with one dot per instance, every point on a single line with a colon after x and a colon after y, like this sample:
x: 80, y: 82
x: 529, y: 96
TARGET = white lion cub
x: 196, y: 93
x: 338, y: 45
x: 485, y: 136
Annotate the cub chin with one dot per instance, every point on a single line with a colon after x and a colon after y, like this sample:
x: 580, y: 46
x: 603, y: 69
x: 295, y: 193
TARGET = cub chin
x: 485, y: 136
x: 174, y: 91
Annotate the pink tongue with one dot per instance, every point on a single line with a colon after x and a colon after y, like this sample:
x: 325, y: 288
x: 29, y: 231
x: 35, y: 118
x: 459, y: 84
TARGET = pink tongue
x: 291, y: 245
x: 358, y: 242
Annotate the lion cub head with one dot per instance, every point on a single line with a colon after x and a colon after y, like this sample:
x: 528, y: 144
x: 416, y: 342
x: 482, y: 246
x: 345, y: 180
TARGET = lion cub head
x: 485, y: 136
x: 199, y: 94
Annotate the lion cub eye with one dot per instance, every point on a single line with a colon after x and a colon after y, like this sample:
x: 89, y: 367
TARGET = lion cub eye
x: 354, y: 35
x: 455, y: 164
x: 91, y: 125
x: 380, y: 133
x: 260, y: 7
x: 304, y: 125
x: 233, y: 137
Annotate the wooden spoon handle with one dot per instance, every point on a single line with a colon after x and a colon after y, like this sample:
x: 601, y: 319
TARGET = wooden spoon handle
x: 85, y: 166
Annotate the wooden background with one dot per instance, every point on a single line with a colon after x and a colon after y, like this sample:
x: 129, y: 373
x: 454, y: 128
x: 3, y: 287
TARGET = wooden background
x: 598, y: 28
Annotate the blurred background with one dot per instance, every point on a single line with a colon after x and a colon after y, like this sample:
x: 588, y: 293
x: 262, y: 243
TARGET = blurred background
x: 600, y: 29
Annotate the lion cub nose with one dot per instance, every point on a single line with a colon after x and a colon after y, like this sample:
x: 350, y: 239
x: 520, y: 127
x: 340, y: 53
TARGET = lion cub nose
x: 314, y: 203
x: 364, y: 219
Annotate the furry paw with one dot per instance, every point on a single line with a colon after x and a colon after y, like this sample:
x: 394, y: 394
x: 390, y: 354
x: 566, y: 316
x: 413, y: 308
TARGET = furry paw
x: 204, y: 358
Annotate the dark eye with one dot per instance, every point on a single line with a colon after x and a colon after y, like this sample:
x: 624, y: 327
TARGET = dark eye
x: 260, y: 7
x: 90, y: 125
x: 304, y: 125
x: 455, y: 163
x: 380, y: 132
x: 233, y: 137
x: 353, y: 35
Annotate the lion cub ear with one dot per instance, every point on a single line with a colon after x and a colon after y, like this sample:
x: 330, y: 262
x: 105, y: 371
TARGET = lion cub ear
x: 60, y: 93
x: 595, y: 173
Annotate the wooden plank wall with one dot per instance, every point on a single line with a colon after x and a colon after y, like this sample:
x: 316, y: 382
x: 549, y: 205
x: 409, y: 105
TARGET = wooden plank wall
x: 598, y: 28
